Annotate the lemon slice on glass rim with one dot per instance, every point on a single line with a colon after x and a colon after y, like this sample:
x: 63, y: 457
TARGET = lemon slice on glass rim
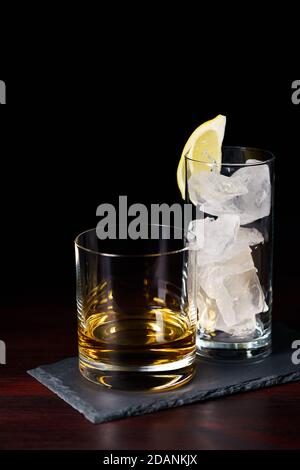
x: 205, y: 146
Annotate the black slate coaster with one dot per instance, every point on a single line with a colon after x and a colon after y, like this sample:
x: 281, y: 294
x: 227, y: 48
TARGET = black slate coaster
x: 212, y: 380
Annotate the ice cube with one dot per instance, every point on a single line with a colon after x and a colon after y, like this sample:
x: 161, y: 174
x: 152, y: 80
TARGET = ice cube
x: 229, y: 294
x: 230, y: 303
x: 256, y: 204
x: 212, y: 186
x: 222, y: 238
x: 207, y: 311
x: 215, y: 236
x: 249, y: 236
x: 248, y: 300
x: 247, y: 192
x: 212, y: 280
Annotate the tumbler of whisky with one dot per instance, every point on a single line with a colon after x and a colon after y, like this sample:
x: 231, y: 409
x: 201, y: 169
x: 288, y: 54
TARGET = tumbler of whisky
x: 136, y: 310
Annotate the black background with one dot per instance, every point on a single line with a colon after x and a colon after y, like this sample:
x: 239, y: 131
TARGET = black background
x: 71, y: 141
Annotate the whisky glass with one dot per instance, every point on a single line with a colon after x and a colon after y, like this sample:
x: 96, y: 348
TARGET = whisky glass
x: 136, y: 310
x: 233, y: 272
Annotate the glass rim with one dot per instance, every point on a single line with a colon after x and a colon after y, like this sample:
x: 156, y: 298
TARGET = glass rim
x: 271, y: 158
x: 128, y: 255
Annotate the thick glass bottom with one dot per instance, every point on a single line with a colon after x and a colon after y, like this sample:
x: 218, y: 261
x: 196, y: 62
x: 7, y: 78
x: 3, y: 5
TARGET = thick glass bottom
x: 249, y: 351
x: 151, y: 378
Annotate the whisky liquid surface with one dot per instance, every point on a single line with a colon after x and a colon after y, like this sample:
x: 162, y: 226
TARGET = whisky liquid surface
x: 135, y: 340
x: 148, y: 337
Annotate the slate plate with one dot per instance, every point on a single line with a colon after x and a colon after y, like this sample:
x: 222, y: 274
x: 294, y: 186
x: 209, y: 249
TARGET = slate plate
x: 212, y: 380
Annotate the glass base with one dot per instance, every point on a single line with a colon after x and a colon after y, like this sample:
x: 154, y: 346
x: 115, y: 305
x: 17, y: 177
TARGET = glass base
x: 248, y: 351
x: 152, y: 378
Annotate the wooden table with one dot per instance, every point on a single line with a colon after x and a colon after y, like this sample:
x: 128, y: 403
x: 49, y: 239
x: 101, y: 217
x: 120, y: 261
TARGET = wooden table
x: 32, y: 417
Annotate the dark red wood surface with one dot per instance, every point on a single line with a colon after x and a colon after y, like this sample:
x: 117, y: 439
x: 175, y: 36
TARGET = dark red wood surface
x: 32, y: 417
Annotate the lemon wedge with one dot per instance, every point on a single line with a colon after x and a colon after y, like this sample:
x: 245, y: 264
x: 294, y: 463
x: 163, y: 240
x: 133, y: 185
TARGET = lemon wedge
x: 204, y: 145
